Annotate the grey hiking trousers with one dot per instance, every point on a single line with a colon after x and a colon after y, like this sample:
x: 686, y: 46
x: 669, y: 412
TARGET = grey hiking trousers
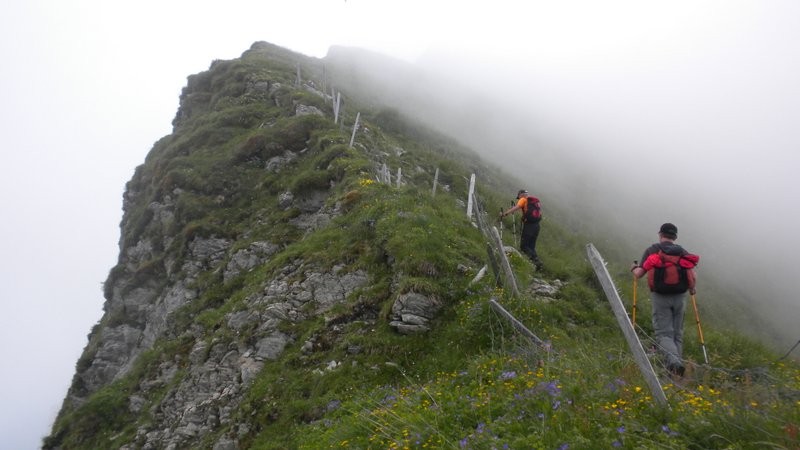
x: 668, y: 313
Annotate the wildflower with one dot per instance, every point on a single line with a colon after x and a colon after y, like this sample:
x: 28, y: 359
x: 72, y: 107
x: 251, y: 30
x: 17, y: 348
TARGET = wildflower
x: 507, y: 375
x: 463, y: 443
x: 616, y: 444
x: 669, y: 432
x: 556, y: 404
x: 563, y: 446
x: 551, y: 388
x: 621, y: 429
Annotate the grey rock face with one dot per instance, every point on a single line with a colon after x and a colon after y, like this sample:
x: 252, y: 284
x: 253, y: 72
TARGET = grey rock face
x: 305, y: 110
x: 245, y: 259
x: 412, y: 312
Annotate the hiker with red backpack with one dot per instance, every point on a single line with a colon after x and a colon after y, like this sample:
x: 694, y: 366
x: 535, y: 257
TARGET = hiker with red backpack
x: 670, y: 274
x: 531, y: 209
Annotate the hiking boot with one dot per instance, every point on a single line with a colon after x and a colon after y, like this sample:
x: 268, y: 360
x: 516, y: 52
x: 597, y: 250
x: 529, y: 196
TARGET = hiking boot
x: 677, y: 369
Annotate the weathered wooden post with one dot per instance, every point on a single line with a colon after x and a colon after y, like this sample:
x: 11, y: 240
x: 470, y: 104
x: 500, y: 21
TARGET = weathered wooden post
x: 518, y: 325
x: 337, y: 103
x: 511, y: 282
x: 625, y: 323
x: 435, y: 181
x: 399, y: 175
x: 355, y: 127
x: 470, y: 194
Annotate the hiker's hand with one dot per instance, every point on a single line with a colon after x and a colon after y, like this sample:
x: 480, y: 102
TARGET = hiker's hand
x: 692, y: 291
x: 502, y: 214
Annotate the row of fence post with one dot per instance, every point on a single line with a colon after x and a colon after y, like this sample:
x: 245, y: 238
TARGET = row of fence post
x: 499, y: 262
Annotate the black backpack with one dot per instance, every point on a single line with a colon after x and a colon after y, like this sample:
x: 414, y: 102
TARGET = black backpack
x: 533, y: 211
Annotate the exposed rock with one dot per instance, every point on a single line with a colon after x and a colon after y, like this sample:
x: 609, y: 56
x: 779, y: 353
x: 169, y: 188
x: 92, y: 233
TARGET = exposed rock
x: 412, y: 312
x: 285, y: 200
x: 271, y: 347
x: 305, y: 110
x: 245, y: 259
x: 278, y: 163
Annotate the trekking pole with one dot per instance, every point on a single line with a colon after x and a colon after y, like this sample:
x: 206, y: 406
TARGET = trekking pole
x: 501, y: 222
x: 699, y: 329
x: 513, y: 225
x: 633, y: 316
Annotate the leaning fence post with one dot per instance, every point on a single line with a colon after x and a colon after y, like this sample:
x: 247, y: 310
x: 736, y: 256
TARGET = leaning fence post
x: 510, y: 280
x: 337, y: 103
x: 625, y: 323
x: 518, y: 325
x: 469, y: 196
x: 355, y: 127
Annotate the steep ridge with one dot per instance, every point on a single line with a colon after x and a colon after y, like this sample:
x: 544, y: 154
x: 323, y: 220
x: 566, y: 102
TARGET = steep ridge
x: 274, y: 290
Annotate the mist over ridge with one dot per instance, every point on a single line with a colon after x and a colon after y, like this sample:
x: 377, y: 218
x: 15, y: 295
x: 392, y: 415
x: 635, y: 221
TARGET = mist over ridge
x: 620, y: 151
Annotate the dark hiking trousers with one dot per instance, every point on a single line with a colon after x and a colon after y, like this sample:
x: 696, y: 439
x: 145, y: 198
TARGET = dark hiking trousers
x: 530, y: 232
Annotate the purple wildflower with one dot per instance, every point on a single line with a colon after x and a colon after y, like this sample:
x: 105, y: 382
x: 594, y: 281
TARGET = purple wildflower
x: 616, y: 444
x: 564, y: 446
x: 669, y: 432
x: 507, y: 375
x: 463, y: 443
x: 550, y: 387
x: 621, y: 429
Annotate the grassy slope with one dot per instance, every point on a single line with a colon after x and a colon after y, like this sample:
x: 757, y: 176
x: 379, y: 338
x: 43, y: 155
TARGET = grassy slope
x: 472, y: 382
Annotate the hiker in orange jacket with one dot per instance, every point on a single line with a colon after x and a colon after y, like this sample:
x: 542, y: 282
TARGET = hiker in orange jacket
x: 531, y: 216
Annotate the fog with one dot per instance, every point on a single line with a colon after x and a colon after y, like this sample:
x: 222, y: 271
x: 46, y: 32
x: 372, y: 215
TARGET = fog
x: 626, y: 117
x: 690, y: 118
x: 622, y: 114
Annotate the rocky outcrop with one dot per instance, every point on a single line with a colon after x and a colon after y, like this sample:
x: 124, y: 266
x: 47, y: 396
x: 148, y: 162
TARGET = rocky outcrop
x: 412, y: 312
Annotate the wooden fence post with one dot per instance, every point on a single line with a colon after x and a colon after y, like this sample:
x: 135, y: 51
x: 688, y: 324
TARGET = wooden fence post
x: 511, y: 282
x: 470, y: 194
x: 625, y: 323
x: 435, y: 181
x: 355, y: 127
x: 337, y: 103
x: 518, y: 325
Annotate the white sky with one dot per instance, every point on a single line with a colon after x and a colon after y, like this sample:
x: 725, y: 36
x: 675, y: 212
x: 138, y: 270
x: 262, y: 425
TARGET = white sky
x: 87, y: 86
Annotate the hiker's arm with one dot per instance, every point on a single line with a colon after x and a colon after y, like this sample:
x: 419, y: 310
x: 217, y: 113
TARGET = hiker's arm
x: 637, y: 271
x: 511, y: 210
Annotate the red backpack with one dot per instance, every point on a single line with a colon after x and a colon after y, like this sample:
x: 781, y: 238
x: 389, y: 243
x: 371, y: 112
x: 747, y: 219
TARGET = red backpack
x: 670, y: 274
x: 533, y: 211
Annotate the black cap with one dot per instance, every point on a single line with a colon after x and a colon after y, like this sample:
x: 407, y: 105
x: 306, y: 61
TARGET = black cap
x: 669, y: 230
x: 521, y: 191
